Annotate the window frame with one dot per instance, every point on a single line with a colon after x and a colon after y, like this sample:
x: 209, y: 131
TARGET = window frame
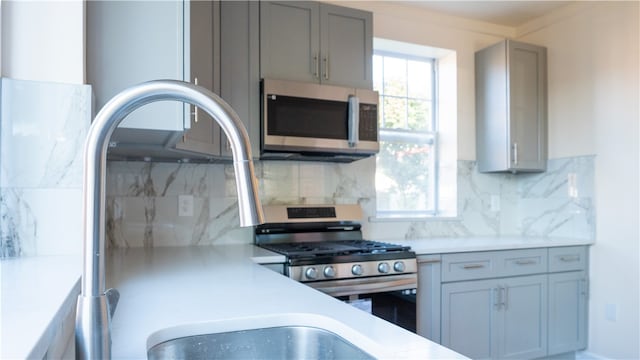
x: 407, y: 133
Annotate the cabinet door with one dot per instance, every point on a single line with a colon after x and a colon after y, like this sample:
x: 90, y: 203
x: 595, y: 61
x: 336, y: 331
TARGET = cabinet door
x: 567, y: 312
x: 290, y: 40
x: 240, y: 68
x: 527, y: 106
x: 346, y: 43
x: 129, y: 42
x: 203, y: 135
x: 522, y: 330
x: 468, y: 317
x: 428, y: 297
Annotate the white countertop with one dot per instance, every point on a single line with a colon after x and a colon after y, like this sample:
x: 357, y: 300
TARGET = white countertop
x: 488, y: 243
x: 211, y: 286
x: 37, y: 292
x: 196, y: 290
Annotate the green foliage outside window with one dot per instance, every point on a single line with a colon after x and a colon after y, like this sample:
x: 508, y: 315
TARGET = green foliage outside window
x: 406, y: 166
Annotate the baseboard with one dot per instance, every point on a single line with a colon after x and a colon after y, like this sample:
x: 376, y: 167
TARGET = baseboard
x: 585, y: 355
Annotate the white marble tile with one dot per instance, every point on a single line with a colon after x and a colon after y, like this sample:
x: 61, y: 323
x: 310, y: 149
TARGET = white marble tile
x: 43, y: 130
x: 42, y: 221
x: 325, y: 183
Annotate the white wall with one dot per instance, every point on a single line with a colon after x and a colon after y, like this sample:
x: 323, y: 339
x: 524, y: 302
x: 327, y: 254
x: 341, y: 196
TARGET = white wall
x: 43, y: 40
x: 594, y: 106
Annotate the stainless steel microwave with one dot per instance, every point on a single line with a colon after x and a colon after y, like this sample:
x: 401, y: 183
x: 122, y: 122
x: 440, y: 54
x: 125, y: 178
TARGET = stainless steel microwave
x: 307, y: 121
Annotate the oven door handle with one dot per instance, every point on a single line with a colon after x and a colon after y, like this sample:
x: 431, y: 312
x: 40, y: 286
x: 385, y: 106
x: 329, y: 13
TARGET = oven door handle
x: 366, y: 285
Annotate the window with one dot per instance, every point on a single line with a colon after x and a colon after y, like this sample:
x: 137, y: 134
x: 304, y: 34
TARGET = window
x: 407, y: 165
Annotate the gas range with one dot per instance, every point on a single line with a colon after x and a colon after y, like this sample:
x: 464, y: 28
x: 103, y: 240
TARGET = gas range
x: 324, y: 248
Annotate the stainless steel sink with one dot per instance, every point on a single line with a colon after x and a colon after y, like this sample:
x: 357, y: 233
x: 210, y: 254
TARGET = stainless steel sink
x: 284, y: 342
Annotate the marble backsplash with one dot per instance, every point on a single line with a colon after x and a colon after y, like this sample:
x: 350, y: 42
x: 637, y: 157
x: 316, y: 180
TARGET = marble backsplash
x: 142, y: 199
x: 40, y: 189
x: 41, y: 167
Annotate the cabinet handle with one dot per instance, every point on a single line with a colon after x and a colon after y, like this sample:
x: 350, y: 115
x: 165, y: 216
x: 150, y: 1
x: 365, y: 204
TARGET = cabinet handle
x: 195, y: 108
x: 569, y: 258
x: 515, y: 153
x: 316, y: 66
x: 525, y: 262
x: 496, y: 298
x: 472, y: 266
x: 584, y: 291
x: 325, y: 60
x: 505, y: 298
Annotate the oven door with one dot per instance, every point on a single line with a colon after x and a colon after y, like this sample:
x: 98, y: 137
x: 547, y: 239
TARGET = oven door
x: 392, y: 298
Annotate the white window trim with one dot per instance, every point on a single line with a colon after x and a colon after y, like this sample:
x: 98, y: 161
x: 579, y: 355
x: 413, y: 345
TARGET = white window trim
x: 448, y: 174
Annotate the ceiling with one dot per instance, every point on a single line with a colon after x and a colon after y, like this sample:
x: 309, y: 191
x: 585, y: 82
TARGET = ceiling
x: 506, y: 13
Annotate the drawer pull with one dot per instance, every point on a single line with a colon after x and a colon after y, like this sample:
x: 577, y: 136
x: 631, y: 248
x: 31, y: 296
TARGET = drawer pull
x: 472, y: 266
x: 569, y: 258
x: 526, y: 262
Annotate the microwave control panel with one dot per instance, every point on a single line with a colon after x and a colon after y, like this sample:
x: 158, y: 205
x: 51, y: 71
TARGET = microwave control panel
x: 368, y: 122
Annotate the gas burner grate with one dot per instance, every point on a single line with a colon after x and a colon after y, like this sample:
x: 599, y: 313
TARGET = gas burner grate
x: 333, y: 248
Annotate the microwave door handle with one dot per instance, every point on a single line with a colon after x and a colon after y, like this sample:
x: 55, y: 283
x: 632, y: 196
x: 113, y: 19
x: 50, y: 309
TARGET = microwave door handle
x: 354, y: 120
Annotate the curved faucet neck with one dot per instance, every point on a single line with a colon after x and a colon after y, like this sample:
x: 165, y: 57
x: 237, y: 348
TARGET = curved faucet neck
x: 93, y: 313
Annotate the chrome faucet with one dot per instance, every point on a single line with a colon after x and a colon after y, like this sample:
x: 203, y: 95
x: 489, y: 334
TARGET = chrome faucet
x: 95, y: 304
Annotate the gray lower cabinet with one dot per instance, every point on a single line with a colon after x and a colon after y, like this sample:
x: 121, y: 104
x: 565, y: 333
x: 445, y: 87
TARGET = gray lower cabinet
x: 428, y: 297
x: 501, y: 318
x: 316, y: 42
x: 568, y: 297
x: 507, y: 304
x: 567, y: 312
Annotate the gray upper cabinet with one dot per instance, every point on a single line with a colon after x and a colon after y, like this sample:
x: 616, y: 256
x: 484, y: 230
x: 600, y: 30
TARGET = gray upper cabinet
x: 315, y: 42
x: 240, y: 67
x: 511, y: 108
x: 129, y: 42
x: 204, y: 52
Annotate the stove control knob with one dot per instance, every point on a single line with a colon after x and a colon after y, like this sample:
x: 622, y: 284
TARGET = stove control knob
x: 398, y: 266
x: 356, y: 270
x: 329, y: 271
x: 311, y: 273
x: 383, y: 267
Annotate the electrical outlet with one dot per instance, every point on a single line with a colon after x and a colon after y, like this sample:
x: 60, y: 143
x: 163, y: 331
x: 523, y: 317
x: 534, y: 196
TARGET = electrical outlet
x: 185, y: 205
x: 572, y: 184
x: 495, y: 203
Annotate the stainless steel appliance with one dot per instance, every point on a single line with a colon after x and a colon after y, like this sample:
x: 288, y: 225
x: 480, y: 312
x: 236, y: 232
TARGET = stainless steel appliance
x: 325, y: 249
x: 307, y: 121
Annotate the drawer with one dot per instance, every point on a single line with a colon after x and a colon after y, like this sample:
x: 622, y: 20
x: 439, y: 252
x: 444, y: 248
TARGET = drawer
x: 523, y: 262
x: 491, y: 264
x: 569, y: 258
x: 469, y: 266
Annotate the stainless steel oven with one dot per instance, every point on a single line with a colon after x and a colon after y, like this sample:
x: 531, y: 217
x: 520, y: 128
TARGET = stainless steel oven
x: 324, y: 249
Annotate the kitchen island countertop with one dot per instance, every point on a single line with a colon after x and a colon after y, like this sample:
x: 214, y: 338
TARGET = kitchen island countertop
x: 171, y: 292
